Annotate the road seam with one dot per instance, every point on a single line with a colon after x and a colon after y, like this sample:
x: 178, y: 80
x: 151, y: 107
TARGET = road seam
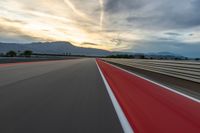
x: 172, y: 90
x: 122, y: 118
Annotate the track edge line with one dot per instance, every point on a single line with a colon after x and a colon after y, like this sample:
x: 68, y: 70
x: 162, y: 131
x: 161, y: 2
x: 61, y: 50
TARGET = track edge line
x: 122, y: 118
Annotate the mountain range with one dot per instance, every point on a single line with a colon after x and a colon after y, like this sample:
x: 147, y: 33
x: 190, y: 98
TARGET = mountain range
x: 53, y: 48
x: 68, y: 48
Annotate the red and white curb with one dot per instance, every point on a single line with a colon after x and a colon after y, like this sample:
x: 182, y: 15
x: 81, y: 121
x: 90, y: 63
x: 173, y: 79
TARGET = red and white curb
x: 141, y: 103
x: 122, y: 118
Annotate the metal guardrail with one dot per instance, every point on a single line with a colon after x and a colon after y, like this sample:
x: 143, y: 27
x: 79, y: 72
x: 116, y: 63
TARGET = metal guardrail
x: 188, y: 70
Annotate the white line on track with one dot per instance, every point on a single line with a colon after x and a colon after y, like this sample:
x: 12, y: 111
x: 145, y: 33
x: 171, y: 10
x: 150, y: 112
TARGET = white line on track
x: 122, y: 118
x: 163, y: 86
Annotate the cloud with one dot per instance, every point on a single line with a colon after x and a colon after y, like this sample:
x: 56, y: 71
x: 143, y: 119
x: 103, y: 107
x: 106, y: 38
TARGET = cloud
x: 156, y: 14
x: 173, y: 34
x: 75, y: 10
x: 116, y: 6
x: 181, y: 48
x: 101, y: 2
x: 142, y: 24
x: 89, y: 43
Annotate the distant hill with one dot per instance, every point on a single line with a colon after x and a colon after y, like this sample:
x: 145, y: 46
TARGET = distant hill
x: 147, y: 54
x: 53, y: 48
x: 159, y: 55
x: 164, y: 54
x: 67, y: 47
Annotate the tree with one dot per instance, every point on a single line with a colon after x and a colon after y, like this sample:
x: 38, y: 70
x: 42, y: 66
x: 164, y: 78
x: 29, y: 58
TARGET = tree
x: 11, y: 53
x: 27, y: 53
x: 197, y: 59
x: 1, y: 54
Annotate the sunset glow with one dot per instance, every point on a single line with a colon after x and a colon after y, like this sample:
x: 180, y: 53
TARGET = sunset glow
x: 119, y: 25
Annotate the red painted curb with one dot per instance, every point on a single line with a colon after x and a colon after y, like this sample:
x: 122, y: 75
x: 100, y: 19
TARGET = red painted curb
x: 150, y: 108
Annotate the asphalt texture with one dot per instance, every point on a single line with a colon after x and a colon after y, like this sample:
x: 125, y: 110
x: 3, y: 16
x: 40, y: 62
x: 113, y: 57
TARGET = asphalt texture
x: 65, y: 96
x: 4, y: 60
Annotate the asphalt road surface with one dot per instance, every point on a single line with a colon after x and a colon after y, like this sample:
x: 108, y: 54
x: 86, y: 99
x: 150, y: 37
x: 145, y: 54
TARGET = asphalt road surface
x: 55, y: 97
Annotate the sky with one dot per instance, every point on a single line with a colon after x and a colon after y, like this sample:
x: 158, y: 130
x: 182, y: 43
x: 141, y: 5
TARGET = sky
x: 116, y: 25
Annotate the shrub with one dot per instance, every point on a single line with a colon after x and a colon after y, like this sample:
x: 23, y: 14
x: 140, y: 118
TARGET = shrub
x: 11, y: 54
x: 27, y: 53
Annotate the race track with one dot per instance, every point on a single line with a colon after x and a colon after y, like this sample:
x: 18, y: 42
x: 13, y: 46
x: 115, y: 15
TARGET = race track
x: 89, y: 96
